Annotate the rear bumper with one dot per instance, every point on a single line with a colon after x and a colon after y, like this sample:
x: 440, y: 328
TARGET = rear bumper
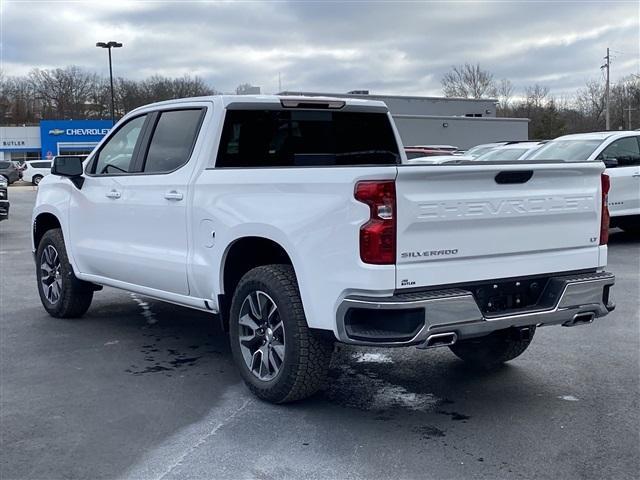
x: 412, y: 318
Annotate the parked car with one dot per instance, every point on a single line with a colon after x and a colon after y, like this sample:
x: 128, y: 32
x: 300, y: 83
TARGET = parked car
x: 620, y: 152
x: 4, y: 199
x: 418, y: 152
x: 510, y: 152
x: 304, y: 228
x: 36, y: 170
x: 444, y: 148
x: 482, y: 149
x: 9, y: 171
x: 438, y: 159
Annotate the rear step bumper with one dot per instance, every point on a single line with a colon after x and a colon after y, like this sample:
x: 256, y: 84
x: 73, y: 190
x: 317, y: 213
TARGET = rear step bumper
x: 441, y: 317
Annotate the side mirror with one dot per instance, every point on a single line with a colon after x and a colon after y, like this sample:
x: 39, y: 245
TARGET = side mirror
x: 610, y: 162
x: 70, y: 167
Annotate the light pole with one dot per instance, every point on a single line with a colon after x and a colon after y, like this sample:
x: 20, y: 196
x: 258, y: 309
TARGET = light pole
x: 109, y: 46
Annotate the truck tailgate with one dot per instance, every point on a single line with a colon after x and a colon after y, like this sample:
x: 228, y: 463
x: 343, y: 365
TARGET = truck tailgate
x: 463, y: 223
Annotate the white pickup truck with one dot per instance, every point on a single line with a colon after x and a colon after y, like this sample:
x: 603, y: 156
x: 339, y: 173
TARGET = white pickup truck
x: 299, y: 223
x: 620, y: 152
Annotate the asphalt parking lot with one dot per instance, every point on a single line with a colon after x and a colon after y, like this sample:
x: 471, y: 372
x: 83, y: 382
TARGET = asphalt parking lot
x: 142, y: 389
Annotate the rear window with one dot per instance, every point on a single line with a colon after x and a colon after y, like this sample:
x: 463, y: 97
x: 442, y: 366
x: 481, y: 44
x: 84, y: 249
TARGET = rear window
x: 40, y: 164
x: 306, y: 138
x: 502, y: 154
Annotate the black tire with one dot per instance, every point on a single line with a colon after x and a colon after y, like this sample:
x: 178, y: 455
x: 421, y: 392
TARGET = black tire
x: 494, y: 349
x: 75, y: 296
x: 307, y: 354
x: 36, y: 179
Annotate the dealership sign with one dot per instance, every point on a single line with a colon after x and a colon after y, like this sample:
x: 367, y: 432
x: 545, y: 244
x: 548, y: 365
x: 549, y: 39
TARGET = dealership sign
x: 58, y: 136
x: 84, y: 132
x: 13, y: 143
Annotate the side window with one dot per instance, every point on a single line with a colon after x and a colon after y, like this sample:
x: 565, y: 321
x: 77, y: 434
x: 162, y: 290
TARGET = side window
x: 172, y: 141
x: 625, y: 150
x: 41, y: 164
x: 116, y: 155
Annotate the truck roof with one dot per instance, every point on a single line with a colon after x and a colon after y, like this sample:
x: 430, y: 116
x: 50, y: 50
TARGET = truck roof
x: 267, y: 99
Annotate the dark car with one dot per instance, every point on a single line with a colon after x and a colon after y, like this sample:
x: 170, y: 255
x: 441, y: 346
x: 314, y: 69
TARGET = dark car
x: 9, y: 171
x: 4, y: 200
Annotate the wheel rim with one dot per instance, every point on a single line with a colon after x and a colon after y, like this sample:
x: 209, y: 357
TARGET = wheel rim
x: 36, y: 180
x: 50, y: 277
x: 261, y: 335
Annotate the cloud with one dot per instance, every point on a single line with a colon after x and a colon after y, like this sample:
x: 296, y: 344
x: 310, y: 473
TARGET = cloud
x: 387, y: 47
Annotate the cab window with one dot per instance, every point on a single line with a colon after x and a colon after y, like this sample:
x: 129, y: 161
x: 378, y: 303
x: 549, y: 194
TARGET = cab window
x: 626, y: 151
x: 172, y: 141
x: 116, y: 156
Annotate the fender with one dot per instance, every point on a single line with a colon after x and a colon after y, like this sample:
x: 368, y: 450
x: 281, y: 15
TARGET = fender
x: 54, y: 199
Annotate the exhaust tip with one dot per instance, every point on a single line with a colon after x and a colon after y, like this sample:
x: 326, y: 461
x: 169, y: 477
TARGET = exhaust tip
x: 441, y: 340
x: 581, y: 319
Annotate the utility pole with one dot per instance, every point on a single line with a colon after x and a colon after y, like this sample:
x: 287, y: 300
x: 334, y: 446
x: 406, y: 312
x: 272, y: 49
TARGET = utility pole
x: 607, y: 120
x: 279, y: 83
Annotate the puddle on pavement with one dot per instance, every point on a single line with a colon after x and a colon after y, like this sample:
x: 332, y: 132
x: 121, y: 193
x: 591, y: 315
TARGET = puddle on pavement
x: 161, y: 350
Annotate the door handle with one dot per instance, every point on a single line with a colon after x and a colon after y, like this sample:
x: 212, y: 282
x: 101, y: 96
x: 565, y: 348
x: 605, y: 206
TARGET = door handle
x: 173, y: 195
x: 113, y: 194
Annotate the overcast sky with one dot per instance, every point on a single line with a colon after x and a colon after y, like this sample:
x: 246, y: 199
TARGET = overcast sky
x: 386, y: 47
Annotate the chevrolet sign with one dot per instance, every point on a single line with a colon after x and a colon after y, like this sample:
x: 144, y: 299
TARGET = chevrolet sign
x: 70, y: 132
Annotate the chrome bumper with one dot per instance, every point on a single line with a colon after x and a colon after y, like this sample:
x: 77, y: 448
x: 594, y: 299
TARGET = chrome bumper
x: 567, y: 300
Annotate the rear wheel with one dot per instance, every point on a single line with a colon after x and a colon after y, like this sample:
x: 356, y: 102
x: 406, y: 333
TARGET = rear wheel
x: 61, y: 293
x: 36, y: 179
x: 280, y: 359
x: 494, y: 349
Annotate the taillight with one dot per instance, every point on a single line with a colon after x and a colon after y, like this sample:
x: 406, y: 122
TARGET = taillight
x: 378, y: 235
x: 604, y: 218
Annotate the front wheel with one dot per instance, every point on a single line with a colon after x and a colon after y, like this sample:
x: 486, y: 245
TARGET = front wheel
x: 494, y: 349
x: 36, y: 180
x: 61, y: 293
x: 280, y: 359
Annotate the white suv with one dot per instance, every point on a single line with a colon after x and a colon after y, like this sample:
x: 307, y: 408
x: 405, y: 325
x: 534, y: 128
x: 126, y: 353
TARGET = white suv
x: 620, y: 152
x: 36, y: 170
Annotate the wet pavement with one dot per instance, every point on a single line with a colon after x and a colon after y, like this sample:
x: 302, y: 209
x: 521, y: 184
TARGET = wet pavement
x: 143, y: 389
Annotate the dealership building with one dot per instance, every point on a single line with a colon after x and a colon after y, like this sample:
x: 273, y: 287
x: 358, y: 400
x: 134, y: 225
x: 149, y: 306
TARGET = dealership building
x: 461, y: 122
x: 50, y: 138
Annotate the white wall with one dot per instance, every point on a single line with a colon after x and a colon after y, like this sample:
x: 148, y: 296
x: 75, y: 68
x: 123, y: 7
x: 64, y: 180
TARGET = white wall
x: 463, y: 132
x: 29, y: 135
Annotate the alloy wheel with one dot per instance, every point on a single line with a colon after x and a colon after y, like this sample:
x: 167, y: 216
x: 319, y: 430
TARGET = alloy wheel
x: 50, y: 276
x: 261, y: 335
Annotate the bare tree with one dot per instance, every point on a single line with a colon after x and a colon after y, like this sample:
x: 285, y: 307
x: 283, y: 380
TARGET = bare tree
x: 536, y: 96
x: 591, y: 104
x: 468, y: 81
x: 65, y: 92
x: 504, y: 92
